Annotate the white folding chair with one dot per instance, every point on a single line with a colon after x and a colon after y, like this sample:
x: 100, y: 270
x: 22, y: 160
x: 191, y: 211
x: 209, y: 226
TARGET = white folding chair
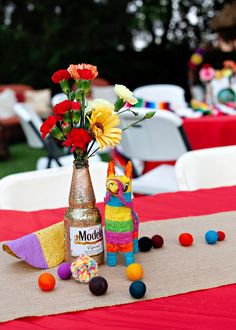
x: 104, y: 92
x: 65, y: 161
x: 159, y: 139
x: 162, y: 93
x: 31, y: 123
x: 57, y: 98
x: 47, y: 189
x: 207, y: 168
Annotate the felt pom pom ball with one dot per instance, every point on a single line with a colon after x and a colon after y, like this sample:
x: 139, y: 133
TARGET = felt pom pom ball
x: 211, y: 236
x: 83, y: 269
x: 157, y: 241
x: 186, y: 239
x: 63, y: 271
x: 144, y: 244
x: 137, y: 289
x: 134, y: 271
x: 98, y: 285
x: 221, y: 235
x: 46, y: 282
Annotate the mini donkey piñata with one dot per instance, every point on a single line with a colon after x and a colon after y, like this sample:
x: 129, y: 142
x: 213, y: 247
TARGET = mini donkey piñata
x: 121, y: 222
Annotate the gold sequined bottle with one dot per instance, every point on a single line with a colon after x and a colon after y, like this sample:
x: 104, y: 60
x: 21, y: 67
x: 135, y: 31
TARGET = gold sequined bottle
x: 82, y: 220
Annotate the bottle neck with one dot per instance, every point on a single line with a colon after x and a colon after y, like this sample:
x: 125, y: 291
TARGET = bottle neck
x: 80, y: 163
x: 81, y: 191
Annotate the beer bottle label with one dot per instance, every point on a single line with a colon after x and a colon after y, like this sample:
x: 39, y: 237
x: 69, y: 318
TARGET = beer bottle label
x: 86, y: 240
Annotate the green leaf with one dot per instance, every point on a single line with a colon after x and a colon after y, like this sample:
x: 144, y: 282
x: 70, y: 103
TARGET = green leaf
x: 119, y: 104
x: 65, y: 86
x: 149, y: 115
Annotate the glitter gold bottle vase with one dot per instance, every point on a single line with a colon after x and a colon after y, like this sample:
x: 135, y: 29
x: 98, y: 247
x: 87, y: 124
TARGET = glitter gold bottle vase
x: 83, y: 226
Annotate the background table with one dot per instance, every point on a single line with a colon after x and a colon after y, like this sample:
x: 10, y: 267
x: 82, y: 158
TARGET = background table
x: 207, y: 309
x: 210, y: 131
x: 203, y: 132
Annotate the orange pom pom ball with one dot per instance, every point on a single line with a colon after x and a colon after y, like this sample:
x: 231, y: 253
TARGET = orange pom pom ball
x: 134, y: 271
x: 46, y: 282
x: 186, y: 239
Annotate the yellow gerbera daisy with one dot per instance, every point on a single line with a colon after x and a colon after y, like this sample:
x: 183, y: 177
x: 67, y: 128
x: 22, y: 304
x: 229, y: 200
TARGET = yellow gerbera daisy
x: 102, y: 124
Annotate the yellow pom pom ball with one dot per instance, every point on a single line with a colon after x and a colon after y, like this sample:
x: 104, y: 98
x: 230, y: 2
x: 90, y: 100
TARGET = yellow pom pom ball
x: 134, y: 272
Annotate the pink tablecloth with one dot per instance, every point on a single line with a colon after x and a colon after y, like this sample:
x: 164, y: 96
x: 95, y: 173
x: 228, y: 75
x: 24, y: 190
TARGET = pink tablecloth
x: 208, y: 309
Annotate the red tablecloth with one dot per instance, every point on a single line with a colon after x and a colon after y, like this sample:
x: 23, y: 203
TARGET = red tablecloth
x: 207, y: 309
x: 210, y: 131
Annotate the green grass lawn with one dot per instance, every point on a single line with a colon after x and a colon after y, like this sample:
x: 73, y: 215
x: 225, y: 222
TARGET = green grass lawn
x: 22, y: 159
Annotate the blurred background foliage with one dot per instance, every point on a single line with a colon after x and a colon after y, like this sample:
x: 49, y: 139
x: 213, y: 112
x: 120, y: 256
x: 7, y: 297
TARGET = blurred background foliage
x: 132, y: 42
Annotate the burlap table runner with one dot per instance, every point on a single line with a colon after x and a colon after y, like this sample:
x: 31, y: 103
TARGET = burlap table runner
x: 168, y: 271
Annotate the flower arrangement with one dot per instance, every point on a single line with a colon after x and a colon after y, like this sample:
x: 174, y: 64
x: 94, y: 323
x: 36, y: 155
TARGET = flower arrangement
x: 228, y: 71
x: 207, y: 73
x: 197, y: 58
x: 79, y: 123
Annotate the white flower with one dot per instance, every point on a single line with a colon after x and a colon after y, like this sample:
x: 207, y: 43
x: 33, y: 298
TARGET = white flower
x: 125, y: 94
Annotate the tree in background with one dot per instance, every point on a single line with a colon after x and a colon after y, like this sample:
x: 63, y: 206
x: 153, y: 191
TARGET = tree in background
x: 136, y: 42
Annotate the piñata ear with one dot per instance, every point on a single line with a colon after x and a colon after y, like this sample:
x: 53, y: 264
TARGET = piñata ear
x: 128, y: 169
x: 111, y: 168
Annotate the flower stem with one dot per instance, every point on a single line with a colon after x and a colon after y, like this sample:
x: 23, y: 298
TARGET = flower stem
x: 82, y: 110
x: 135, y: 113
x: 90, y: 148
x: 93, y: 152
x: 148, y: 115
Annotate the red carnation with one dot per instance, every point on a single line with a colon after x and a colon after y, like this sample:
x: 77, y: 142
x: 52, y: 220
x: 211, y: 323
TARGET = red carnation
x: 75, y: 106
x: 61, y: 108
x: 60, y: 75
x: 48, y: 125
x: 78, y: 138
x: 83, y: 71
x: 85, y: 74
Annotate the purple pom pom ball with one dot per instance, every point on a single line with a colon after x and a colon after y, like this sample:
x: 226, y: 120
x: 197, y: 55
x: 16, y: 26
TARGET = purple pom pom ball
x: 63, y: 271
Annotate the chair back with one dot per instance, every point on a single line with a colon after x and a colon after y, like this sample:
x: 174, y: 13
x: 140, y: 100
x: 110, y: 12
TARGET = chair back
x: 207, y: 168
x: 31, y: 123
x: 57, y: 98
x: 28, y: 117
x: 162, y: 93
x: 104, y: 92
x: 46, y: 189
x: 158, y: 139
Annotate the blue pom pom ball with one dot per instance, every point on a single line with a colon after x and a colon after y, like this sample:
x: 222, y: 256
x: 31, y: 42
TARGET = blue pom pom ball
x: 211, y: 236
x: 137, y: 289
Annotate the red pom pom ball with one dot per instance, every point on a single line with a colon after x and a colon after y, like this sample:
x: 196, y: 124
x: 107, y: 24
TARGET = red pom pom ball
x: 186, y: 239
x: 221, y: 235
x: 157, y: 241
